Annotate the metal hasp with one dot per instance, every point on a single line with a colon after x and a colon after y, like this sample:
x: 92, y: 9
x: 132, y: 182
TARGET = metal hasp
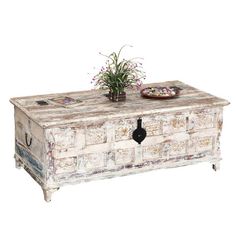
x: 140, y: 133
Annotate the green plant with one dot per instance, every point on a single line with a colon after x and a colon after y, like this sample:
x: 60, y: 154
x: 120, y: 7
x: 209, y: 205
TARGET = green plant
x: 119, y: 74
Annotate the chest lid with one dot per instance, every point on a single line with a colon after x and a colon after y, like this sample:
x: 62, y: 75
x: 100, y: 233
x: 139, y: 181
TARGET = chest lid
x: 71, y: 108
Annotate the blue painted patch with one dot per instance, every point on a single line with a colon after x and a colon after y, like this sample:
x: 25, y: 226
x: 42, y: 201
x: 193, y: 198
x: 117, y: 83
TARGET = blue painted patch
x: 37, y: 167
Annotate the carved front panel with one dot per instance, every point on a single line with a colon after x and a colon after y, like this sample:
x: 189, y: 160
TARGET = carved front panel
x: 124, y: 129
x: 178, y: 148
x: 174, y: 124
x: 203, y: 119
x: 152, y: 152
x: 201, y: 144
x: 62, y: 137
x: 153, y: 125
x: 65, y: 165
x: 65, y: 142
x: 124, y: 156
x: 110, y: 146
x: 94, y: 161
x: 96, y: 134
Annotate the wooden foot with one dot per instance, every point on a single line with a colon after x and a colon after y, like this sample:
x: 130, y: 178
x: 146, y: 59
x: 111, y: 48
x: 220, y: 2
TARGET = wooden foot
x: 216, y: 166
x: 18, y: 162
x: 48, y: 193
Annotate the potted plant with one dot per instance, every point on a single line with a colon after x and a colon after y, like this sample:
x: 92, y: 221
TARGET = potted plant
x: 118, y: 75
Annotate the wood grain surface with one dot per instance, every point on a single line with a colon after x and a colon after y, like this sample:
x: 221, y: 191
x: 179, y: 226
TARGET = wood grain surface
x: 95, y: 106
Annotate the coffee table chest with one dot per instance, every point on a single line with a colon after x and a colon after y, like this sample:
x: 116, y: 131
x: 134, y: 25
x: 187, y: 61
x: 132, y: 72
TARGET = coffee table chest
x: 82, y: 136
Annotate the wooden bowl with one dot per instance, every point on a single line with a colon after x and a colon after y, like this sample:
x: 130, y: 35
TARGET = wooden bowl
x: 161, y: 92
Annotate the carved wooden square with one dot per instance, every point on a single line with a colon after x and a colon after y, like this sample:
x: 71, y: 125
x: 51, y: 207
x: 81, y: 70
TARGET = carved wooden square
x: 174, y: 124
x: 201, y: 144
x: 153, y: 125
x: 124, y: 156
x: 152, y: 152
x: 201, y: 120
x: 62, y: 137
x: 124, y: 129
x: 94, y: 160
x: 177, y: 148
x: 95, y: 135
x: 65, y: 165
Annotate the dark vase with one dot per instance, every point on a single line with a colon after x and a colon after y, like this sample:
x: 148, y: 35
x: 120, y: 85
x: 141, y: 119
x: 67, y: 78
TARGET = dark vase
x: 117, y: 97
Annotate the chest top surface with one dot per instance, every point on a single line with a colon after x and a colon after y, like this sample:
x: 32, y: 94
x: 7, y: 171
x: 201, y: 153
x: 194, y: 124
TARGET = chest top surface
x: 68, y: 108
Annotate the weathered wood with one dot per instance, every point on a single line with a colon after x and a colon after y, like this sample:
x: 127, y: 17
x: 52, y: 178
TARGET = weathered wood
x: 26, y: 129
x: 93, y: 139
x: 18, y: 163
x: 94, y: 105
x: 47, y: 193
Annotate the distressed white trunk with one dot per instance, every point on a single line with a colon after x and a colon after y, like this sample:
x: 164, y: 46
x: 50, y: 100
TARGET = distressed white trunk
x: 59, y: 144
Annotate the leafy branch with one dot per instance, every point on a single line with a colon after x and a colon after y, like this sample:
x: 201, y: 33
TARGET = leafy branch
x: 119, y: 74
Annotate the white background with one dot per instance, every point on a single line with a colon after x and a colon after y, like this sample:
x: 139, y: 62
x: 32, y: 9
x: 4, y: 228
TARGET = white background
x: 51, y: 46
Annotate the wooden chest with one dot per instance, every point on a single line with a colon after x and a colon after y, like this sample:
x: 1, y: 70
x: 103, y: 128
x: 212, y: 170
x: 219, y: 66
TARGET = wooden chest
x: 82, y: 136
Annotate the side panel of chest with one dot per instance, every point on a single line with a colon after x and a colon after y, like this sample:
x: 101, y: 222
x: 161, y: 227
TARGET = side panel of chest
x: 29, y: 145
x: 107, y: 148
